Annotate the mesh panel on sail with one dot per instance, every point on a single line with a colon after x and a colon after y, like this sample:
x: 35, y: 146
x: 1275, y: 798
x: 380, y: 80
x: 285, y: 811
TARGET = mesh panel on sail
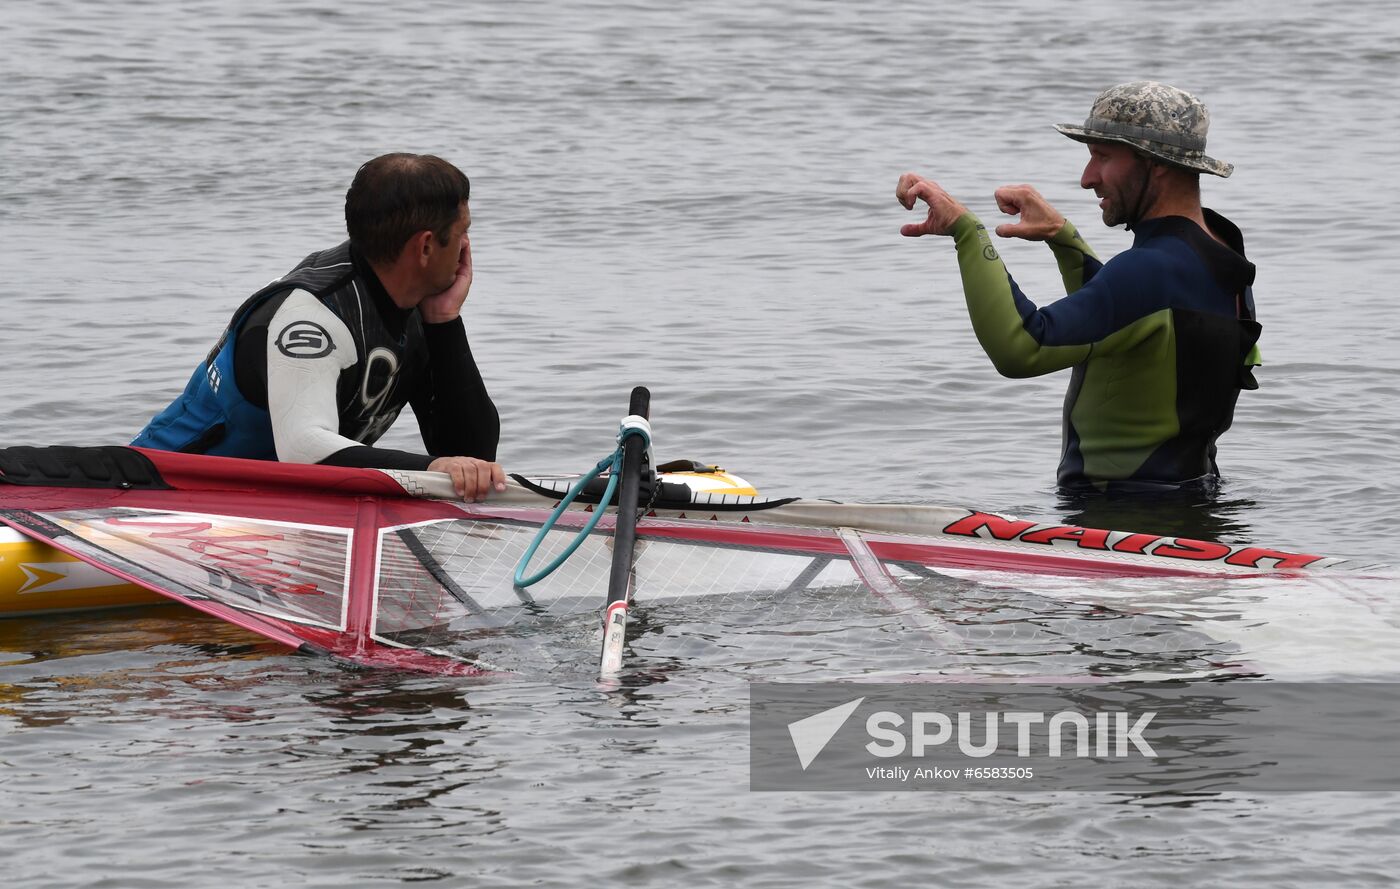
x: 442, y: 580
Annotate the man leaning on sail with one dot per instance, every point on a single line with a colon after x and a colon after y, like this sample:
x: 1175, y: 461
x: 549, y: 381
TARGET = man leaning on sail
x: 316, y: 366
x: 1161, y: 338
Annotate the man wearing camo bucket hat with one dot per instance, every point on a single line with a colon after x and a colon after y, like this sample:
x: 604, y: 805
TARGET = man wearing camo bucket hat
x: 1161, y: 338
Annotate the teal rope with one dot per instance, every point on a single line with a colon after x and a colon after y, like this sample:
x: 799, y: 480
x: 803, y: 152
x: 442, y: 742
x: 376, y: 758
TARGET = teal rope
x: 612, y: 461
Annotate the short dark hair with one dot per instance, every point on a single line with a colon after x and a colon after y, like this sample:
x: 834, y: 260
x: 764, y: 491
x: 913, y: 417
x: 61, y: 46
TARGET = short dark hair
x: 396, y: 196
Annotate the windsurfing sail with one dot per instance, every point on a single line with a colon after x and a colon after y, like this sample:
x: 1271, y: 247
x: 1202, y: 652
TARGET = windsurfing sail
x: 386, y: 568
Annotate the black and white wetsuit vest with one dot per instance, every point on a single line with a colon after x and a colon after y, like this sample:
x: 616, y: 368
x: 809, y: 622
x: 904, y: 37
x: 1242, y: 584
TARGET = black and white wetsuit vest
x: 327, y: 331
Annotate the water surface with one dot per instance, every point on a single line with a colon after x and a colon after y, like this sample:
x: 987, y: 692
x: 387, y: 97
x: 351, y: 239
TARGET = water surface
x: 699, y: 199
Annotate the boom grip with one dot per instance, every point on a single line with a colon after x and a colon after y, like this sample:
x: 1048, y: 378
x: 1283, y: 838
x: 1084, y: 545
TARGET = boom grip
x: 640, y: 405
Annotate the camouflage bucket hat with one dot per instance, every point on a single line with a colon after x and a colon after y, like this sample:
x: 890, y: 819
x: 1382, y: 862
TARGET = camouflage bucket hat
x: 1160, y: 120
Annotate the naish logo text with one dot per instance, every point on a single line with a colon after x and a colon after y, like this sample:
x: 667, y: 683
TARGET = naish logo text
x: 304, y: 339
x: 995, y: 527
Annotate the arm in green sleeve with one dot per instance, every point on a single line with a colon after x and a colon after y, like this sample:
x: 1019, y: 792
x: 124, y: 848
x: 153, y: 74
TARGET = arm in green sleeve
x: 1074, y: 256
x: 999, y: 310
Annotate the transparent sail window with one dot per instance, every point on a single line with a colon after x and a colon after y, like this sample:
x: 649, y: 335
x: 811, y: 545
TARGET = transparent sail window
x: 451, y: 577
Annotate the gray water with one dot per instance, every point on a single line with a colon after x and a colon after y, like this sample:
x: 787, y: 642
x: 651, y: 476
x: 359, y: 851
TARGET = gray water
x: 698, y: 198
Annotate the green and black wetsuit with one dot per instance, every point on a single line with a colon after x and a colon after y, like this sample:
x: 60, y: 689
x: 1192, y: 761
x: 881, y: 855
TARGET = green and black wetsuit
x: 1161, y: 339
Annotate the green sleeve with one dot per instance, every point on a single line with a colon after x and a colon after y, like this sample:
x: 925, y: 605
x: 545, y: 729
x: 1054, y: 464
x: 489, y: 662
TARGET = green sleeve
x: 991, y: 305
x: 1073, y: 255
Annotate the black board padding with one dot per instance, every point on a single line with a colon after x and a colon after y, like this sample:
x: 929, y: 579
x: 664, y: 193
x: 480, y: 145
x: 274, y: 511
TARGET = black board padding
x: 666, y: 495
x: 687, y: 466
x: 68, y: 466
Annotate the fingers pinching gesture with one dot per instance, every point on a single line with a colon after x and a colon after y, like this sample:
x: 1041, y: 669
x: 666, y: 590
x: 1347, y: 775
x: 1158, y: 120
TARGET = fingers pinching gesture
x: 943, y: 208
x: 1039, y: 221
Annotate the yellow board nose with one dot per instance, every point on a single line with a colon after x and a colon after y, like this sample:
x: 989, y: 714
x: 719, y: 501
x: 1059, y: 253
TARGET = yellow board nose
x: 719, y: 482
x: 36, y: 579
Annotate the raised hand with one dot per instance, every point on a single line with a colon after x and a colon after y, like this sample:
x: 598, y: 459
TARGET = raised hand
x: 1039, y: 221
x: 943, y: 208
x: 447, y: 304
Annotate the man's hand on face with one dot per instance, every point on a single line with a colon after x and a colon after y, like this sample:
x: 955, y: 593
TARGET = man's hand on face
x: 1039, y: 221
x: 472, y: 478
x: 447, y: 304
x: 943, y: 208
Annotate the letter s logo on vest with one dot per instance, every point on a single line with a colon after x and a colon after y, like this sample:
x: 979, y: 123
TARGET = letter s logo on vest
x: 304, y: 339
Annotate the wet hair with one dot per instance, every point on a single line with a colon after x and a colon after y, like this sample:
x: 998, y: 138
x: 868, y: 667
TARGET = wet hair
x: 396, y: 196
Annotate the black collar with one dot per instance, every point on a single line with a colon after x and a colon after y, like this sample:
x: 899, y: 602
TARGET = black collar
x: 1226, y: 261
x: 395, y: 318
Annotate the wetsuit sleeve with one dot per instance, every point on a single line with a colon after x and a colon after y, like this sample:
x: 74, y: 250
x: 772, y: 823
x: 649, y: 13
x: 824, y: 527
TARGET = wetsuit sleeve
x: 308, y: 348
x: 1000, y: 312
x: 455, y: 412
x: 1024, y: 340
x: 1076, y: 259
x: 366, y: 457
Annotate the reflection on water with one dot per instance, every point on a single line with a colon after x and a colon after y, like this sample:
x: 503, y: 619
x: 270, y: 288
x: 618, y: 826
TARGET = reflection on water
x: 942, y: 625
x: 1208, y: 512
